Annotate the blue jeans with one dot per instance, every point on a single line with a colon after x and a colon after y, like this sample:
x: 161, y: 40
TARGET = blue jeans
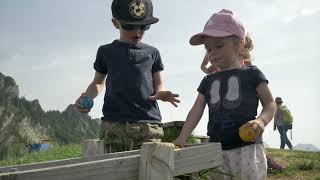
x: 283, y: 137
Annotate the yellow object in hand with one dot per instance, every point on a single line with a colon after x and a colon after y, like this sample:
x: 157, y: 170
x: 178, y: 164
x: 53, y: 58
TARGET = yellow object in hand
x: 246, y: 133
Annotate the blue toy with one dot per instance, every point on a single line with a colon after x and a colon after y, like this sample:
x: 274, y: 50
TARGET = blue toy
x: 86, y: 102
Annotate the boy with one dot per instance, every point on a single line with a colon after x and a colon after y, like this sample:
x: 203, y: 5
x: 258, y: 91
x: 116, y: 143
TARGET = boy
x: 131, y: 114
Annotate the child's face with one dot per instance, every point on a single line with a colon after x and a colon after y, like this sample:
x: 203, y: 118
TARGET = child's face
x: 222, y: 52
x: 129, y: 36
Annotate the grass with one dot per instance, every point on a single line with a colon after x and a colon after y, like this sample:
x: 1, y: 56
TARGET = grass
x: 55, y: 153
x: 299, y: 165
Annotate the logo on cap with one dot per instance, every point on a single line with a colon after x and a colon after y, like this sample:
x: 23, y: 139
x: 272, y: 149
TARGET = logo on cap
x: 136, y: 9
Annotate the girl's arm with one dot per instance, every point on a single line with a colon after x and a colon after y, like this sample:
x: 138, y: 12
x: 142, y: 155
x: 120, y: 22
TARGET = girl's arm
x: 268, y: 104
x: 192, y: 120
x: 268, y: 109
x: 95, y: 87
x: 159, y: 91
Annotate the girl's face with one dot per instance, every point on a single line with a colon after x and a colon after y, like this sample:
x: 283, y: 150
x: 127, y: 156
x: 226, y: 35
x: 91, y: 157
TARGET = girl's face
x: 129, y: 36
x: 223, y: 52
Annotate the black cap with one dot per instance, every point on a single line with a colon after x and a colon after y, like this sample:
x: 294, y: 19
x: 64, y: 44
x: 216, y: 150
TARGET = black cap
x: 278, y: 100
x: 134, y: 12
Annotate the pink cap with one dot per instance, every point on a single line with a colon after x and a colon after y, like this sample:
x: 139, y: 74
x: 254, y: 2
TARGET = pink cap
x: 221, y: 24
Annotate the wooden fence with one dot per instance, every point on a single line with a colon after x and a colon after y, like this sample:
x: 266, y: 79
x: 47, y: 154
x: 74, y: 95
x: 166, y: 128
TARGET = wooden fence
x: 154, y: 161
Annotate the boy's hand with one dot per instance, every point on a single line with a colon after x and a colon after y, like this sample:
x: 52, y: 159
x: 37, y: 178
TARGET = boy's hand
x: 79, y: 107
x: 256, y: 125
x: 166, y: 96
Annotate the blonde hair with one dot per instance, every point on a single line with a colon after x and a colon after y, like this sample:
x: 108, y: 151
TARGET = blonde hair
x: 248, y: 46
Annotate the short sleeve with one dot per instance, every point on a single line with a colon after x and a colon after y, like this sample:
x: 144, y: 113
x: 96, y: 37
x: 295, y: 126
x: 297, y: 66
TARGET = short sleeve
x: 259, y: 76
x: 157, y: 66
x: 100, y: 64
x: 202, y: 87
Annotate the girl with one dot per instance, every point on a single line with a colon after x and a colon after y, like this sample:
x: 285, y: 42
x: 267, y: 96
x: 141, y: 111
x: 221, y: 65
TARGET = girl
x: 232, y: 95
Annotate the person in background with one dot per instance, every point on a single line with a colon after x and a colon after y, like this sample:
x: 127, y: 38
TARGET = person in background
x: 281, y: 126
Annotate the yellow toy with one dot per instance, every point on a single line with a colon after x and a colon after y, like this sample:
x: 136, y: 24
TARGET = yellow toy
x: 246, y: 133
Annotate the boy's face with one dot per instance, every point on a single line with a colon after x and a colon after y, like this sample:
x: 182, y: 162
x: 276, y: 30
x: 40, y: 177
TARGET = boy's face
x: 222, y: 52
x: 130, y: 34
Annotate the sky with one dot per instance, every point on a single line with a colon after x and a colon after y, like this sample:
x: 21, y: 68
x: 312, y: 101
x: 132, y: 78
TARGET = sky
x: 49, y: 48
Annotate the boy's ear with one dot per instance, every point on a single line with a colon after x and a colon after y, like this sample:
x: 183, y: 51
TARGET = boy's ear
x: 115, y: 23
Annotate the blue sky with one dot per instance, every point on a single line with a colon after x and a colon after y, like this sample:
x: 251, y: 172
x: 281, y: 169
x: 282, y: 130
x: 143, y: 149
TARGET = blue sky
x: 49, y: 48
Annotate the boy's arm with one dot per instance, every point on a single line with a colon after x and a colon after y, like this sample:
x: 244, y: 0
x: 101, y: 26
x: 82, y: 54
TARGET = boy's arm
x: 192, y: 120
x: 94, y: 88
x: 97, y: 85
x: 159, y: 91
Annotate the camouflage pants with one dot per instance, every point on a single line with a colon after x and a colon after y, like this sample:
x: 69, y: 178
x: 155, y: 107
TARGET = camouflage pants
x: 125, y: 136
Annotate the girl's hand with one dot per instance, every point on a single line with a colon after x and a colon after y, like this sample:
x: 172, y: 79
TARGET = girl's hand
x: 166, y: 96
x: 257, y: 126
x: 79, y: 107
x: 179, y: 142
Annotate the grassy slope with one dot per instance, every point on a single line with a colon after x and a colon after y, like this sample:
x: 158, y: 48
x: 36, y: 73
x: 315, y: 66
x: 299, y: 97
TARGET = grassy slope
x: 299, y: 165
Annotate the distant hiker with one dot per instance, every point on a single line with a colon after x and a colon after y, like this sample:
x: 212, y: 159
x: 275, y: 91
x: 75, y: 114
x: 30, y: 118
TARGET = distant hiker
x: 282, y: 123
x: 232, y: 95
x: 131, y: 73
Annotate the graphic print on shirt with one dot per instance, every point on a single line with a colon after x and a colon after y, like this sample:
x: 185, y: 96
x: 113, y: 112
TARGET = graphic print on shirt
x: 215, y: 93
x: 231, y: 100
x: 233, y: 96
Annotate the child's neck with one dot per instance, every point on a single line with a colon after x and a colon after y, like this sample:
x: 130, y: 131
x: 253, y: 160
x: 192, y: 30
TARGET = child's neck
x: 235, y: 65
x: 127, y: 42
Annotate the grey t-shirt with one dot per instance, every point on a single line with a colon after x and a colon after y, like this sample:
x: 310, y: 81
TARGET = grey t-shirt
x: 129, y: 70
x: 278, y: 118
x: 232, y: 100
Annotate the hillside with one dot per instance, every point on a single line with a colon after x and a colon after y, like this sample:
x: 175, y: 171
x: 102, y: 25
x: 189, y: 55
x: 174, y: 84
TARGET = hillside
x: 24, y: 122
x: 299, y: 165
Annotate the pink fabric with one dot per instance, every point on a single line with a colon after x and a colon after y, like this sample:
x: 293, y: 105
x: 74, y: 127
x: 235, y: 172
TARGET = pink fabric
x: 221, y: 24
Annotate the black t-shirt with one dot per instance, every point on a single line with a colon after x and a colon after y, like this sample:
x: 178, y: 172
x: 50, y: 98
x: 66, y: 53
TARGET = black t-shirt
x: 232, y: 100
x: 129, y: 70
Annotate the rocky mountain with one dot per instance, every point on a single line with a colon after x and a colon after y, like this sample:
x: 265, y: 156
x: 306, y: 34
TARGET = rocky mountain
x: 24, y: 122
x: 306, y: 147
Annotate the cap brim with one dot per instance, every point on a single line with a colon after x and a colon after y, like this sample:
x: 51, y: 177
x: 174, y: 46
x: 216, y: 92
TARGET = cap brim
x: 198, y: 38
x: 146, y: 21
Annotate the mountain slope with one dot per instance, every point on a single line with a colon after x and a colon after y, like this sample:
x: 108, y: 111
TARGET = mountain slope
x: 24, y: 122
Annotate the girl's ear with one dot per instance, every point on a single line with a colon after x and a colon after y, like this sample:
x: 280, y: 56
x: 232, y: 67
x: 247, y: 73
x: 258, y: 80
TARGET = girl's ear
x: 115, y: 23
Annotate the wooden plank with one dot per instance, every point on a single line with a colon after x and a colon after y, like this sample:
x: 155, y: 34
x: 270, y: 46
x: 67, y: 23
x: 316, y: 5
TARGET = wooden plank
x: 186, y: 160
x: 197, y: 158
x: 115, y: 169
x: 156, y: 161
x: 25, y: 167
x: 92, y: 147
